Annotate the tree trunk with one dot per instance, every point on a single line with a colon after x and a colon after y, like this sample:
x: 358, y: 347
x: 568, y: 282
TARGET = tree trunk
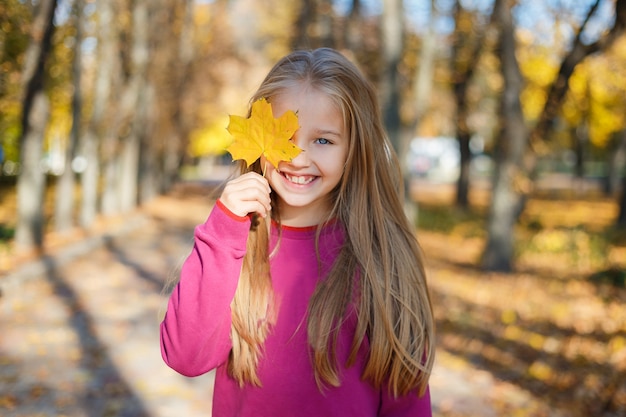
x: 32, y: 181
x: 96, y: 129
x: 136, y: 93
x: 465, y: 53
x: 165, y: 93
x: 107, y: 116
x: 314, y: 26
x: 64, y: 207
x: 580, y: 138
x: 618, y: 169
x: 149, y: 171
x: 305, y: 18
x: 511, y: 143
x: 422, y: 86
x: 621, y: 217
x: 616, y: 161
x: 393, y: 45
x: 325, y: 23
x: 463, y: 182
x: 174, y: 145
x: 352, y: 38
x: 511, y: 178
x: 89, y: 179
x: 35, y: 111
x: 129, y: 172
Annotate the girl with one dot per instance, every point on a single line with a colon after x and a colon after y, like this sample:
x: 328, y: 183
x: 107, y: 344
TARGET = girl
x: 305, y: 288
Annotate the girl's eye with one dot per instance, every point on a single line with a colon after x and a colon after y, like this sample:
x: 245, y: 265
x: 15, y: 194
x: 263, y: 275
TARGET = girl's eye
x: 322, y: 141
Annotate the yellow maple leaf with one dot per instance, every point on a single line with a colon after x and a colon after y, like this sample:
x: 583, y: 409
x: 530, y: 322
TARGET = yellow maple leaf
x: 262, y: 134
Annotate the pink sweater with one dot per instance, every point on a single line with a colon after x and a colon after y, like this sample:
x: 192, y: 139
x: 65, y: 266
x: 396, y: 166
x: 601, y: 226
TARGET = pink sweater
x: 195, y: 333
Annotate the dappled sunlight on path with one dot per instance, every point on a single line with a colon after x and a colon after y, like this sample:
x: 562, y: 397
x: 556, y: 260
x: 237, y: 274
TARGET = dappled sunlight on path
x: 80, y: 329
x: 81, y: 339
x: 550, y: 330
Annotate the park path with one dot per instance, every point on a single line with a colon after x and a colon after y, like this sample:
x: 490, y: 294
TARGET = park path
x: 79, y: 329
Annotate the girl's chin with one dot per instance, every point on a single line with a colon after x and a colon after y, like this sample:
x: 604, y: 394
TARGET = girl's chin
x: 301, y: 213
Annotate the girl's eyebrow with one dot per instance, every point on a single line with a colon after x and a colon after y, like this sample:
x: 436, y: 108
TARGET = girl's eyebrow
x: 327, y: 132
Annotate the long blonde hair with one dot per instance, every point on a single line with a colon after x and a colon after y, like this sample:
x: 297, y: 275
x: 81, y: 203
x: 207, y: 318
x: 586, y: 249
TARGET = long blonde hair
x: 379, y: 269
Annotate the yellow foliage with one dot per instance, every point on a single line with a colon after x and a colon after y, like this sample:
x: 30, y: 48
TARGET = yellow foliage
x: 603, y: 124
x: 211, y: 140
x: 551, y: 241
x: 270, y: 12
x: 571, y: 113
x: 60, y: 122
x: 508, y: 316
x: 533, y: 99
x: 596, y: 96
x: 579, y: 81
x: 540, y: 70
x: 597, y: 88
x: 513, y: 332
x: 617, y: 344
x: 263, y: 135
x: 536, y: 341
x: 202, y: 15
x: 540, y: 371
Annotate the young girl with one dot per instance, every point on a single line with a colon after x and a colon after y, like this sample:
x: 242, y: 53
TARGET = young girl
x: 305, y: 288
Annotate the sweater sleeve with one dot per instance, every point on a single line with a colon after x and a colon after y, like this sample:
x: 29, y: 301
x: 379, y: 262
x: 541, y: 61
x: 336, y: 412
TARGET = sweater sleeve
x: 410, y: 405
x: 195, y: 332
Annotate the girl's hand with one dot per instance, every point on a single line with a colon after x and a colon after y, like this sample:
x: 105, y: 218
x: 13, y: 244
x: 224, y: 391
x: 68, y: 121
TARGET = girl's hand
x: 249, y: 193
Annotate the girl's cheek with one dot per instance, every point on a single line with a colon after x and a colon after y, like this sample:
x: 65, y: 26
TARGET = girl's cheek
x: 272, y: 174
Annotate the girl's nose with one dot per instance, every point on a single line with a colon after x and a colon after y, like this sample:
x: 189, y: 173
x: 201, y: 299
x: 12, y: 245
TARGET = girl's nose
x: 302, y: 159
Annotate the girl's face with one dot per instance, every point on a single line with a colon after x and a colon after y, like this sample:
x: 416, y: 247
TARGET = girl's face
x: 303, y: 185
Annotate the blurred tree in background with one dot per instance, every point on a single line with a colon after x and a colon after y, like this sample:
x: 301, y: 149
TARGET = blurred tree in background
x: 138, y: 92
x: 518, y: 144
x: 13, y: 44
x: 33, y: 123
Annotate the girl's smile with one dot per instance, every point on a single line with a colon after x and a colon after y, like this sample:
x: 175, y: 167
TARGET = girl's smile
x: 299, y: 179
x: 303, y: 185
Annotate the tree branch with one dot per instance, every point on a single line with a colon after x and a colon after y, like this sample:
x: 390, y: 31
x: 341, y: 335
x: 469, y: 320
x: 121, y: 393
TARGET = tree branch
x: 576, y: 55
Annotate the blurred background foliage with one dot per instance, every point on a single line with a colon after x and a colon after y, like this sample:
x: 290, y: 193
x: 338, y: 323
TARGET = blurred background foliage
x: 234, y: 42
x: 514, y: 162
x: 138, y: 95
x: 155, y: 81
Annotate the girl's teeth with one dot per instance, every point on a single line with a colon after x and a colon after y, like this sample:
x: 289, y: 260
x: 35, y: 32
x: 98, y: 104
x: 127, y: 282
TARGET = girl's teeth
x: 299, y: 180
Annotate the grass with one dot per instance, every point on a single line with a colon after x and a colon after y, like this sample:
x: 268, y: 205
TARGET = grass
x: 576, y: 233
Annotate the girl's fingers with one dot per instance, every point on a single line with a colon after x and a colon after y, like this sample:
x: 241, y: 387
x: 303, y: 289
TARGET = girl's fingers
x: 248, y: 207
x: 249, y: 193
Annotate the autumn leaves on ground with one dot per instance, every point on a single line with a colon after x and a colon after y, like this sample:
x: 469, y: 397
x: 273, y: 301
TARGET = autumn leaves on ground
x: 555, y: 329
x: 557, y: 326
